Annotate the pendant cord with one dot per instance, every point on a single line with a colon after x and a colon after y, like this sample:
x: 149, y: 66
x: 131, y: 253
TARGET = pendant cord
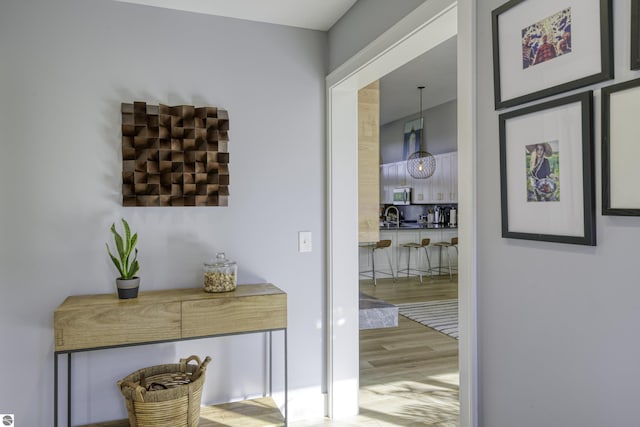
x: 422, y: 143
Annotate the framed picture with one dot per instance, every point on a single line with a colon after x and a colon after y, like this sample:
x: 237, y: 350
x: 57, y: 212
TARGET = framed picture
x: 635, y: 34
x: 547, y: 173
x: 620, y: 149
x: 544, y: 47
x: 411, y: 137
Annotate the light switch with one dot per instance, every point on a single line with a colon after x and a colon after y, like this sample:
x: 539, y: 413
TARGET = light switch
x: 304, y: 241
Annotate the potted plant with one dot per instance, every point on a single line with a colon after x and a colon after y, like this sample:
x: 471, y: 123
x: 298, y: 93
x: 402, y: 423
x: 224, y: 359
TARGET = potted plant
x: 128, y: 283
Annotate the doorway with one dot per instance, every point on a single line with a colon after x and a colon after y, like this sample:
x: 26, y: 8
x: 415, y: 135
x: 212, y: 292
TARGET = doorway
x: 426, y: 27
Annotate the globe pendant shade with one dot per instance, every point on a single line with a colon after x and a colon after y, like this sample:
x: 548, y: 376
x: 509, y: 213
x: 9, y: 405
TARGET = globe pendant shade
x: 421, y: 165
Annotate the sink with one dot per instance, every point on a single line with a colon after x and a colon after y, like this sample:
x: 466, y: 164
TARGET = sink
x: 410, y: 225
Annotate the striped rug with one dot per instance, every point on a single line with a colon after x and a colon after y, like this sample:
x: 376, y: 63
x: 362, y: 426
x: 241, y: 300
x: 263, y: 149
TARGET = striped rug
x: 439, y: 315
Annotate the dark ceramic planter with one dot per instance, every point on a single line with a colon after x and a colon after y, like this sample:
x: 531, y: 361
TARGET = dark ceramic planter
x: 128, y: 288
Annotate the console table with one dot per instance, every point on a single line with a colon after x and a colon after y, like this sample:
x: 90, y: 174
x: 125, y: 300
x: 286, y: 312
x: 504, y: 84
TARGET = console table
x: 94, y: 322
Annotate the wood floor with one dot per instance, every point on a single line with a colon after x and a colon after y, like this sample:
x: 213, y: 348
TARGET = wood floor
x: 409, y: 374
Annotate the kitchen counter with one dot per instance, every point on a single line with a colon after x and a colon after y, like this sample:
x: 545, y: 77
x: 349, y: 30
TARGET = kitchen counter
x: 418, y: 226
x: 409, y: 232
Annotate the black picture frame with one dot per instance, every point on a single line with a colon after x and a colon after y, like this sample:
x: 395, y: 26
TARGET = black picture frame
x: 515, y: 82
x: 635, y: 34
x: 619, y: 144
x: 531, y: 216
x: 411, y: 137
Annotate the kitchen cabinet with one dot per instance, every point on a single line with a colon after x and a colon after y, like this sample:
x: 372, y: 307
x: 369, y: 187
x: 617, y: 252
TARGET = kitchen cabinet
x: 392, y: 175
x: 386, y: 191
x: 442, y: 187
x: 447, y: 188
x: 421, y: 190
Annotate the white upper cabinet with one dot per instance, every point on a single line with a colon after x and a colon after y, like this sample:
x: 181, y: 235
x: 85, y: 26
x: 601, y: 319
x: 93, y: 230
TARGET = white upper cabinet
x: 442, y: 187
x: 392, y: 175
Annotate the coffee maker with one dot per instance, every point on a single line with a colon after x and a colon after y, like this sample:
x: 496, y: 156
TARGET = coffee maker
x: 437, y: 214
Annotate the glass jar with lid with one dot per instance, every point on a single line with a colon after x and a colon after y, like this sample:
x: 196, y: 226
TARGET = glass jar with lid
x: 220, y: 274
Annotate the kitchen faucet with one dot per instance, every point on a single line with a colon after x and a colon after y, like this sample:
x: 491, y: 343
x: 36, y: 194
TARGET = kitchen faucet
x: 386, y: 211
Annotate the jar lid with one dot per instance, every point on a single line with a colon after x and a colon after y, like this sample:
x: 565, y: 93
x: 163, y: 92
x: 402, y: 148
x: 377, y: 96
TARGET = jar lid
x: 220, y: 261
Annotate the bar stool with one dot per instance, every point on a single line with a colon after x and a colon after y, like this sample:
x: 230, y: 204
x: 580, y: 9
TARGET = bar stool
x: 446, y: 245
x: 373, y: 247
x: 424, y: 244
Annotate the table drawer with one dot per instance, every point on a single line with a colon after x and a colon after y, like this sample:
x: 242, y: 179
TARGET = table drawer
x: 111, y: 325
x: 232, y: 315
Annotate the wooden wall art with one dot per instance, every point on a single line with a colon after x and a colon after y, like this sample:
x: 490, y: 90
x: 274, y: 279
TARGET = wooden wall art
x: 174, y: 156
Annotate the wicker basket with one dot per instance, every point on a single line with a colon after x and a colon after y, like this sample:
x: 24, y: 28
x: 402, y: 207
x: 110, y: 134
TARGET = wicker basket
x: 149, y: 404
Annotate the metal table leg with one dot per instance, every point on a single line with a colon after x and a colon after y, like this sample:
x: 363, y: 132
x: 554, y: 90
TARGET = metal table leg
x: 270, y: 363
x: 55, y: 390
x: 68, y: 389
x: 286, y: 387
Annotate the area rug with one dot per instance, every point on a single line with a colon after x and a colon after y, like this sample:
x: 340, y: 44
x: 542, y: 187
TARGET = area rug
x: 439, y: 315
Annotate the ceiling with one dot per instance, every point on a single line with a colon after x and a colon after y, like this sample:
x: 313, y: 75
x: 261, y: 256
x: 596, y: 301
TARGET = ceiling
x: 311, y: 14
x: 399, y: 96
x: 435, y: 69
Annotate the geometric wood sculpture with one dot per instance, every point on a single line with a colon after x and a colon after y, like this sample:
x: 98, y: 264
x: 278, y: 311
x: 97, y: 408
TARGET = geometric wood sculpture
x: 174, y: 156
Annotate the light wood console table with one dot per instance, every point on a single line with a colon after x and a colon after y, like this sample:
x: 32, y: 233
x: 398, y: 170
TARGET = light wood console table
x: 95, y: 322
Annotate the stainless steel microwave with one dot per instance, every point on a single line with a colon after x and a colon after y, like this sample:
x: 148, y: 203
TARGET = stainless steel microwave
x: 402, y: 196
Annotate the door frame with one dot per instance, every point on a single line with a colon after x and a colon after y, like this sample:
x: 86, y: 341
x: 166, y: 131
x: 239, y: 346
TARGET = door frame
x: 427, y: 26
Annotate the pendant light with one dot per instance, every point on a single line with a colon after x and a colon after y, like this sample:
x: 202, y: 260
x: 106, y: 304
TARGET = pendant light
x: 421, y: 164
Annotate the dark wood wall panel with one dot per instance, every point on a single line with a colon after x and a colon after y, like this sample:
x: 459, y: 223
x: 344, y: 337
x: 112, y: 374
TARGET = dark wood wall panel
x: 174, y: 156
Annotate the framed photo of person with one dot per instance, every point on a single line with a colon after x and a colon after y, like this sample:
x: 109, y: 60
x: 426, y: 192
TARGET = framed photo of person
x: 635, y: 34
x: 543, y: 47
x: 620, y: 149
x: 547, y: 173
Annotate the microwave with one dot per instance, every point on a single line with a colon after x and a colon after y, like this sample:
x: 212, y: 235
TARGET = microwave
x: 402, y: 196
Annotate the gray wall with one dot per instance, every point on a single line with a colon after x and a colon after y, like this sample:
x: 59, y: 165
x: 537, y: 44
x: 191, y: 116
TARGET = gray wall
x: 557, y: 323
x: 363, y: 23
x: 65, y: 68
x: 440, y: 132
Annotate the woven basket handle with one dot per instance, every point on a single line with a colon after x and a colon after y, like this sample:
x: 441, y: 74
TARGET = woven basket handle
x: 137, y: 389
x: 185, y: 362
x: 202, y: 366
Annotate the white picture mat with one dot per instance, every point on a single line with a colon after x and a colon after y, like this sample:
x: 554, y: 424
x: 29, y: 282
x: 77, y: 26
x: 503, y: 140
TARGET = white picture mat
x: 624, y: 149
x: 584, y: 59
x: 564, y: 217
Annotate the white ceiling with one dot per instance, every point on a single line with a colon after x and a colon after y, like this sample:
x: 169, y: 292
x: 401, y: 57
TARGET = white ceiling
x: 399, y: 96
x: 311, y: 14
x: 435, y: 69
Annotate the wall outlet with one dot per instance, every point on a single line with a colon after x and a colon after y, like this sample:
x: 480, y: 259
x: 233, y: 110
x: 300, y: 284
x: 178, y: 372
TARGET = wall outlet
x: 304, y: 241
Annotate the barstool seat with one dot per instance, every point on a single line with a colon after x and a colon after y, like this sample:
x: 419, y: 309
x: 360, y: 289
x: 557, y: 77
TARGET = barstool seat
x: 424, y: 244
x: 373, y: 247
x: 446, y: 245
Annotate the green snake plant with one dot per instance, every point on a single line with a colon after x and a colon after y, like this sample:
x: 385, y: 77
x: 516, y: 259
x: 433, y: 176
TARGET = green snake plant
x: 125, y: 246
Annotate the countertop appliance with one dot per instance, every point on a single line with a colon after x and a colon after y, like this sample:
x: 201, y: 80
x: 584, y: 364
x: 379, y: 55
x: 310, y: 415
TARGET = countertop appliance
x: 402, y: 196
